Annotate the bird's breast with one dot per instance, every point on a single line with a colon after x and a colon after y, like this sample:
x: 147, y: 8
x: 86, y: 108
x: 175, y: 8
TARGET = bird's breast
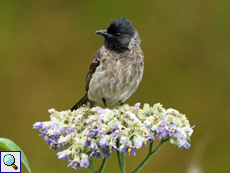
x: 117, y: 76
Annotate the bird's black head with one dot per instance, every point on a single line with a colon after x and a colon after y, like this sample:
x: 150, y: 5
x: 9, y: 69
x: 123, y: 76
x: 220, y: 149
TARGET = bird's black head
x: 118, y: 35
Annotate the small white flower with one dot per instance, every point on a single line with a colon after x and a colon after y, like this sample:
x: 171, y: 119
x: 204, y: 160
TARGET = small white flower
x: 173, y: 111
x: 177, y: 121
x: 52, y: 111
x: 146, y: 107
x: 65, y: 139
x: 52, y: 132
x: 147, y: 123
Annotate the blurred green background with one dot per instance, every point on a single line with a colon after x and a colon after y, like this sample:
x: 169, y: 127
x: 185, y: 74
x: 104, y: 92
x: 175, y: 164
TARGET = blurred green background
x: 46, y: 48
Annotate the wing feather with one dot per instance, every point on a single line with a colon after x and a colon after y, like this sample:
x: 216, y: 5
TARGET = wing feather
x: 92, y: 68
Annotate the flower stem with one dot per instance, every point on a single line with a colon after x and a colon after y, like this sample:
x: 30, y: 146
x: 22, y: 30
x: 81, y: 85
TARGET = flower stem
x: 91, y: 167
x: 118, y: 153
x: 151, y: 146
x: 102, y: 166
x: 159, y: 146
x: 149, y: 155
x: 121, y: 158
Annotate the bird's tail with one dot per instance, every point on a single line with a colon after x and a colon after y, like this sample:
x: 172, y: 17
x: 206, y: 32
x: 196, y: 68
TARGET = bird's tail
x: 82, y: 102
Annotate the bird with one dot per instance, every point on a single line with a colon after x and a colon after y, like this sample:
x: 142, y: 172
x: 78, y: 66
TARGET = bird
x: 117, y: 67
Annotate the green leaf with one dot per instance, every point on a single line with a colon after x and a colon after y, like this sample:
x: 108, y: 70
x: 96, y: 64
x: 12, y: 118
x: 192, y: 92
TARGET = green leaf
x: 9, y: 145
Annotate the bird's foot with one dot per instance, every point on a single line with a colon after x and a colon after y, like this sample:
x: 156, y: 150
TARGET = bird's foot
x: 116, y: 107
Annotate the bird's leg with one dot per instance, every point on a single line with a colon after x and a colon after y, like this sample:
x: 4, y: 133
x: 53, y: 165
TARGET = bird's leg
x: 105, y: 103
x: 121, y: 103
x: 117, y: 107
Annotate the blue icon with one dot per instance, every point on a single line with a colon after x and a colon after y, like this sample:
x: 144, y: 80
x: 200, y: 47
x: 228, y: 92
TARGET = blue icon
x: 9, y: 160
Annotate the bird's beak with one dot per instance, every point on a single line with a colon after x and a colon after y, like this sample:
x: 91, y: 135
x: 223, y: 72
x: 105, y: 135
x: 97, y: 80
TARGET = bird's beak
x: 104, y: 33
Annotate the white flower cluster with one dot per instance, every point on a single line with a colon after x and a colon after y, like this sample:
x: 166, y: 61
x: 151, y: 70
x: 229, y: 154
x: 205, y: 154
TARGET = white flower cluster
x: 96, y: 132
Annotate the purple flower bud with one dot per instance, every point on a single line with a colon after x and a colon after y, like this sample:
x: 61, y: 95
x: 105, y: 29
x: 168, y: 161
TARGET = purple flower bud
x: 54, y: 126
x: 96, y: 153
x: 38, y: 125
x: 137, y: 105
x: 139, y: 144
x: 100, y: 110
x: 106, y: 153
x: 85, y: 163
x: 89, y: 121
x: 63, y: 155
x: 94, y: 145
x: 123, y: 140
x: 103, y: 142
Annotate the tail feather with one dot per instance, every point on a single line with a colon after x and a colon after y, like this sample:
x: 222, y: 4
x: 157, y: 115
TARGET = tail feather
x: 82, y: 102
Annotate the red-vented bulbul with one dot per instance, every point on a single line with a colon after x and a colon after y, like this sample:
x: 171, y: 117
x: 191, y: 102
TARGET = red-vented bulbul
x: 117, y: 67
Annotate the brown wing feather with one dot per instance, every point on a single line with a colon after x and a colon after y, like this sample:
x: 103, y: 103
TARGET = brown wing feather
x: 92, y: 68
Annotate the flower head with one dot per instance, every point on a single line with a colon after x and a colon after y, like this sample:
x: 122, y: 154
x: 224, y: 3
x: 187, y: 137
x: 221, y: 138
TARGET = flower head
x: 164, y: 128
x: 173, y: 131
x: 71, y: 131
x: 129, y: 149
x: 88, y: 139
x: 96, y: 153
x: 116, y: 131
x: 98, y: 133
x: 74, y: 164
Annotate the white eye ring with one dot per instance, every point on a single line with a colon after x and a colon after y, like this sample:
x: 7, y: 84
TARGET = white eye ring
x: 118, y: 34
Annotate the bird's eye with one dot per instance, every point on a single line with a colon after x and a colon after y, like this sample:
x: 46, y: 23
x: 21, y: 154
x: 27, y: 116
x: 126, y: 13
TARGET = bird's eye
x: 118, y: 34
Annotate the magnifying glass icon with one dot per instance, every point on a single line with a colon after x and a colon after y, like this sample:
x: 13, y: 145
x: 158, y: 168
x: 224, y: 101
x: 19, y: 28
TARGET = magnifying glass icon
x: 9, y: 160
